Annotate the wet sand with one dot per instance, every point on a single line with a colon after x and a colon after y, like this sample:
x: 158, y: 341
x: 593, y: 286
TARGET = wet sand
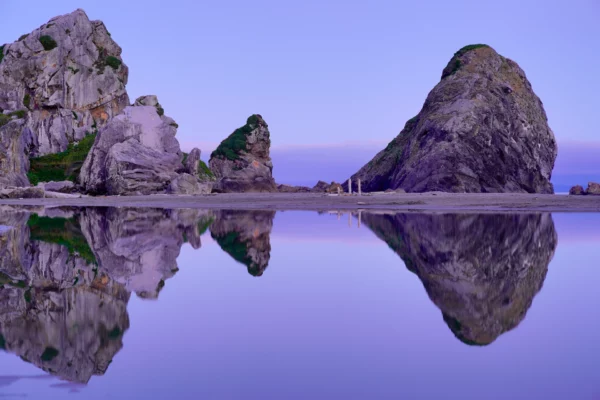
x: 434, y: 201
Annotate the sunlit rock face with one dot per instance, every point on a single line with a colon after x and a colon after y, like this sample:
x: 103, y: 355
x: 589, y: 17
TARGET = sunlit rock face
x: 68, y: 76
x: 482, y: 271
x: 245, y: 236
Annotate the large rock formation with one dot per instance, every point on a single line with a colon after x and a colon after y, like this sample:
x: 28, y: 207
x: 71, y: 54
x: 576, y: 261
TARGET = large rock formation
x: 482, y: 271
x: 481, y: 129
x: 242, y: 162
x: 135, y: 153
x: 68, y: 75
x: 245, y: 236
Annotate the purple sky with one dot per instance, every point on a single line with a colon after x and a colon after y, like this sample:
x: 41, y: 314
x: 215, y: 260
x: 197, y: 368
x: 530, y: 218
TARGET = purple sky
x: 338, y: 74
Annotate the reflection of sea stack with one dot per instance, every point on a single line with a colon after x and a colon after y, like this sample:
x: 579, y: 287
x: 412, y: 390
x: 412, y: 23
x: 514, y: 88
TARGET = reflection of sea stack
x: 245, y: 236
x: 482, y: 271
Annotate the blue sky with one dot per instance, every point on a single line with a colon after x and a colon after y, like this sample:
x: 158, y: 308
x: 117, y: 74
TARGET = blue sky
x: 326, y: 74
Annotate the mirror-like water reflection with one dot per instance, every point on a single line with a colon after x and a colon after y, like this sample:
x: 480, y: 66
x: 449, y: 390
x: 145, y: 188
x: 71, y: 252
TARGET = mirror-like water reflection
x: 67, y: 276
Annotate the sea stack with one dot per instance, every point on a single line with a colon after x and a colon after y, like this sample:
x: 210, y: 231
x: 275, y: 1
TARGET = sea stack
x: 242, y: 162
x: 482, y: 129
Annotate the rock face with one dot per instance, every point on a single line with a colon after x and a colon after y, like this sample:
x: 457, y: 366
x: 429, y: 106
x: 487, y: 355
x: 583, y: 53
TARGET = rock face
x: 324, y: 187
x: 481, y: 129
x: 15, y: 138
x: 135, y: 153
x: 245, y: 236
x: 482, y: 271
x: 577, y: 190
x: 188, y: 184
x: 68, y: 75
x: 60, y: 187
x: 242, y: 162
x: 593, y: 188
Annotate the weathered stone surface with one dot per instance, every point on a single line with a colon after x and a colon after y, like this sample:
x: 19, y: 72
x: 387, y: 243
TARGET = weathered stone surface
x: 68, y: 90
x: 245, y: 236
x: 482, y: 270
x: 577, y: 190
x: 188, y: 184
x: 15, y: 138
x: 135, y: 153
x: 60, y: 187
x: 22, y: 193
x: 324, y: 187
x: 242, y: 162
x: 481, y: 129
x: 593, y: 188
x: 293, y: 189
x: 192, y: 161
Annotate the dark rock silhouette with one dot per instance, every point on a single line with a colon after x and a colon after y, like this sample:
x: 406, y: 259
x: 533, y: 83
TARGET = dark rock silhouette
x: 482, y: 271
x: 245, y: 236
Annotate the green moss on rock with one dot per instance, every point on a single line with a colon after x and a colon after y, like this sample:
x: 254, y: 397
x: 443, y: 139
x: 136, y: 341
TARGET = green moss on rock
x: 455, y: 63
x: 61, y: 166
x: 2, y: 52
x: 48, y: 43
x: 231, y: 147
x: 113, y: 62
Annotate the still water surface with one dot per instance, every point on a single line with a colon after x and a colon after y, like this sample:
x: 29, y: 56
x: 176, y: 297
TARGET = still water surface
x: 160, y: 304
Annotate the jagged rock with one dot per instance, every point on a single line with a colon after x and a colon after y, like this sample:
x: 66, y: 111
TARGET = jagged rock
x: 60, y: 187
x: 242, y: 162
x: 482, y: 270
x: 593, y: 188
x: 324, y: 187
x: 188, y: 184
x: 135, y: 153
x: 70, y: 77
x: 293, y: 189
x: 577, y: 190
x: 192, y: 161
x: 481, y: 129
x: 245, y: 236
x: 14, y: 139
x: 22, y: 193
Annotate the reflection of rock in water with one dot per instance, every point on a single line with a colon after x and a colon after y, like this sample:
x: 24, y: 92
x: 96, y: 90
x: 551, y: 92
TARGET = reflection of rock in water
x: 139, y: 247
x: 65, y: 281
x: 245, y: 236
x: 482, y: 271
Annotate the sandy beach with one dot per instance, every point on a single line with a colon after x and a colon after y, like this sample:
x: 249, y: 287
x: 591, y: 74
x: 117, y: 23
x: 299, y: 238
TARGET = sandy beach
x: 434, y: 201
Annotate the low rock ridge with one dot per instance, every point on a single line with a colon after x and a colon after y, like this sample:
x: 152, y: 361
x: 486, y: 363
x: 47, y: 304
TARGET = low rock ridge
x: 593, y: 188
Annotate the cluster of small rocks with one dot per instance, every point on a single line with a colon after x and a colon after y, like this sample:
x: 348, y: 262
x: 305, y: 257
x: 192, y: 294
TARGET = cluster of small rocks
x: 592, y: 189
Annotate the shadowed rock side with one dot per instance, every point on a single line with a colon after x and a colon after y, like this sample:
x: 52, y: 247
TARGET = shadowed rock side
x: 67, y: 77
x: 481, y: 129
x: 242, y: 162
x: 482, y: 271
x: 66, y: 276
x: 245, y: 236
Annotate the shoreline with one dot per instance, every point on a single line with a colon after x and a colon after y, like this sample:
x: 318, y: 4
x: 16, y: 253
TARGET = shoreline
x: 414, y: 202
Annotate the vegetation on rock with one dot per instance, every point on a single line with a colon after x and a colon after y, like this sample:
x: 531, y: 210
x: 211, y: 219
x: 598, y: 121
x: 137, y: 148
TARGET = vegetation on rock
x: 454, y: 64
x: 113, y: 62
x: 236, y: 142
x: 26, y: 100
x: 48, y: 43
x: 61, y: 166
x: 2, y: 52
x: 5, y: 118
x: 62, y: 231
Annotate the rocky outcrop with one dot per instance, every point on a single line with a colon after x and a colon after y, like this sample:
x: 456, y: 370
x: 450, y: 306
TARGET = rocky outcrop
x: 68, y: 76
x: 135, y: 153
x: 577, y: 190
x: 245, y: 236
x: 324, y: 187
x: 481, y: 129
x: 192, y: 161
x: 593, y: 188
x: 482, y: 271
x: 241, y: 163
x: 60, y: 187
x: 189, y: 184
x: 22, y: 193
x: 292, y: 189
x: 15, y: 138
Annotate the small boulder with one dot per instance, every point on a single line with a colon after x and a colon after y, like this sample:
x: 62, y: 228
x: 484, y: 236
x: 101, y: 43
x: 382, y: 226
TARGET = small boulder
x: 577, y: 190
x: 188, y: 184
x: 593, y: 188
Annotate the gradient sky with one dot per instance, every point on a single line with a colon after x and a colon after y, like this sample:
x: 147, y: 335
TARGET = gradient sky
x: 331, y: 73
